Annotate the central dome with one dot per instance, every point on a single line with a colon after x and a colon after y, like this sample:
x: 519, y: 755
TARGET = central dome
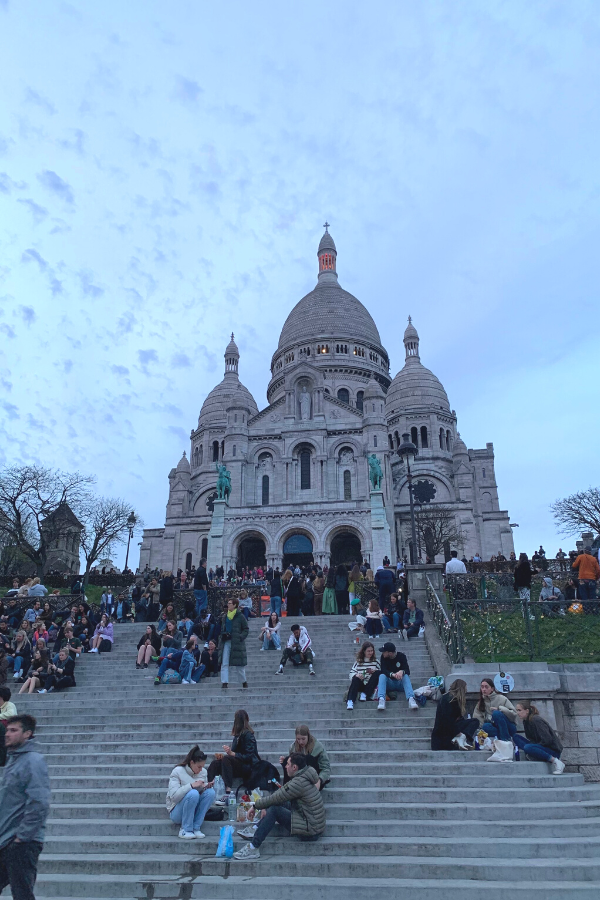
x: 328, y: 311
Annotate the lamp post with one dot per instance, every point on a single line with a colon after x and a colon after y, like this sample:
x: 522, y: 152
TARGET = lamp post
x: 407, y: 451
x: 131, y: 521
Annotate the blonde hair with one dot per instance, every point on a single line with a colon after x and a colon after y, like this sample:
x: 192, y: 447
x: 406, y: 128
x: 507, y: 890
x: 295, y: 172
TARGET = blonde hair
x: 458, y: 692
x: 35, y: 581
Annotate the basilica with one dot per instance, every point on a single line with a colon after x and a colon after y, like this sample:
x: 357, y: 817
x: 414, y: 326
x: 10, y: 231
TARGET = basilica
x: 298, y: 469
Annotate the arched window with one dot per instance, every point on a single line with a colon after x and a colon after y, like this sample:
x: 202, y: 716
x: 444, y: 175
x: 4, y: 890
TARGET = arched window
x: 359, y: 400
x: 448, y: 440
x: 424, y: 441
x: 200, y: 455
x: 343, y: 395
x: 188, y: 562
x: 374, y: 440
x: 414, y: 435
x: 222, y: 449
x: 196, y: 455
x: 397, y: 439
x: 234, y: 449
x: 204, y: 551
x: 265, y: 490
x: 347, y: 485
x: 391, y: 441
x: 305, y: 470
x: 215, y: 451
x: 442, y: 447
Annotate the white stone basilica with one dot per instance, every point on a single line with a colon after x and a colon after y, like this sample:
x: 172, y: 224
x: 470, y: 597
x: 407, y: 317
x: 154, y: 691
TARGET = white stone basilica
x: 299, y: 470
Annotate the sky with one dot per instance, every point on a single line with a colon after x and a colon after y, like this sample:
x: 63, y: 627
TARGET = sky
x: 165, y: 171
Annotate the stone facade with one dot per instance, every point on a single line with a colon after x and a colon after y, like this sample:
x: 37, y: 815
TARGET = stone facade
x: 299, y: 469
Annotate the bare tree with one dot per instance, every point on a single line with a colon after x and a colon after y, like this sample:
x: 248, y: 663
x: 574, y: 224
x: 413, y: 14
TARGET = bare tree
x: 579, y: 512
x: 30, y: 497
x: 106, y: 523
x: 436, y: 526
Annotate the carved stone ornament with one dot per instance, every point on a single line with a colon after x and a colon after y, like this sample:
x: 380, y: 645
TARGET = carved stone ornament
x: 335, y: 414
x: 346, y: 456
x: 275, y: 417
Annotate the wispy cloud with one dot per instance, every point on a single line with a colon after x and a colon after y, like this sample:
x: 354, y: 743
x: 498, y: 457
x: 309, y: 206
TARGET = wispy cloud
x: 187, y: 90
x: 38, y: 99
x: 56, y: 184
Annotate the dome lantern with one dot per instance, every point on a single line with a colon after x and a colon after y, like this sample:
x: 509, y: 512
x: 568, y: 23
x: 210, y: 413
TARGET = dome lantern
x: 232, y: 356
x: 411, y: 340
x: 327, y: 255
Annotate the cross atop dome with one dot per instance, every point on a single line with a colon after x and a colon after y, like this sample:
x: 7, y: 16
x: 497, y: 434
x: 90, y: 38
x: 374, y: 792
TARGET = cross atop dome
x: 327, y: 255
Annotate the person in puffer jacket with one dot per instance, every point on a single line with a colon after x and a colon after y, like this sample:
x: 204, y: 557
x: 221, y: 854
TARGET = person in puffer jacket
x: 297, y: 807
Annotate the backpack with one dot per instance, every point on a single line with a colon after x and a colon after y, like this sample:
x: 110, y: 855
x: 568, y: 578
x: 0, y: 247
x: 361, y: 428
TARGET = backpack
x: 171, y: 677
x: 261, y: 776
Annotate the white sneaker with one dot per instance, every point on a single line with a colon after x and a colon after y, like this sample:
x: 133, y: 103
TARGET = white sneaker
x: 247, y: 852
x: 262, y: 649
x: 279, y: 671
x: 248, y: 833
x: 16, y: 675
x: 461, y: 742
x: 186, y: 835
x: 421, y: 631
x: 199, y: 834
x: 557, y: 767
x: 186, y: 682
x: 363, y: 697
x: 311, y: 670
x: 412, y: 703
x: 401, y: 633
x: 381, y: 704
x: 43, y: 691
x: 349, y: 705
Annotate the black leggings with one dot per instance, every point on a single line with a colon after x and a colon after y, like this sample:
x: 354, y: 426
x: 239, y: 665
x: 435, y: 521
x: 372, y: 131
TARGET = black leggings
x: 59, y: 684
x: 358, y: 686
x: 229, y: 768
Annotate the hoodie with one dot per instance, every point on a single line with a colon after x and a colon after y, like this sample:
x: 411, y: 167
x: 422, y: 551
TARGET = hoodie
x: 24, y: 795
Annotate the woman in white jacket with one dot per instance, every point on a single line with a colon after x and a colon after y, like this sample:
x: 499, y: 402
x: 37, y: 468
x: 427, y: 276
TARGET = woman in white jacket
x: 190, y: 794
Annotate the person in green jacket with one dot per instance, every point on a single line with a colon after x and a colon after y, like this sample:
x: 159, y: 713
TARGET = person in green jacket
x: 297, y: 807
x: 232, y: 642
x: 315, y: 752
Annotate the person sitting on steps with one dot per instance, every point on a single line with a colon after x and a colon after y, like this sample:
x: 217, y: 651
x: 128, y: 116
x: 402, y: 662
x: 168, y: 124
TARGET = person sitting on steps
x: 540, y: 740
x: 103, y: 638
x: 298, y: 649
x: 413, y: 619
x: 451, y: 728
x: 238, y: 759
x: 61, y: 675
x: 297, y: 807
x: 232, y: 643
x: 364, y: 675
x: 495, y: 713
x: 374, y: 624
x: 394, y: 613
x: 190, y: 795
x: 269, y: 633
x: 394, y: 677
x: 210, y: 660
x: 148, y: 646
x: 315, y: 753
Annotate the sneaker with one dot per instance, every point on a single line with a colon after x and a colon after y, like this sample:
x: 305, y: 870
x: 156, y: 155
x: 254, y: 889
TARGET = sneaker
x: 363, y: 697
x: 42, y: 691
x: 145, y: 666
x: 157, y: 680
x: 460, y: 741
x: 311, y: 670
x: 381, y: 704
x: 220, y: 803
x: 224, y: 685
x: 557, y: 767
x: 412, y: 703
x: 247, y: 852
x: 186, y: 835
x: 402, y: 634
x: 349, y: 705
x: 16, y: 676
x: 200, y: 835
x: 247, y: 833
x: 137, y: 665
x: 262, y: 650
x: 50, y: 690
x: 245, y: 684
x: 279, y: 671
x: 185, y: 682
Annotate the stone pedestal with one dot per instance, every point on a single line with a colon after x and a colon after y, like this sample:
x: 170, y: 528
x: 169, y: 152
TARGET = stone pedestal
x: 380, y: 530
x: 215, y: 535
x: 417, y: 582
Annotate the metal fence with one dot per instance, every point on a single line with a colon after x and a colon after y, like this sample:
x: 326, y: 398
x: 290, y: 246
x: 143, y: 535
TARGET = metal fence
x: 495, y: 625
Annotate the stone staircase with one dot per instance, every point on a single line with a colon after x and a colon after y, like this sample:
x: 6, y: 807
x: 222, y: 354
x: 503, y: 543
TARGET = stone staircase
x: 401, y: 819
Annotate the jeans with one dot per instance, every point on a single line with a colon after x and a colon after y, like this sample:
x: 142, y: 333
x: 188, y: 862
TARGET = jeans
x: 587, y: 590
x: 18, y: 867
x: 273, y: 641
x: 190, y: 672
x: 276, y: 606
x: 393, y: 684
x: 536, y: 751
x: 281, y: 814
x: 225, y: 665
x: 17, y: 662
x: 246, y: 610
x: 500, y: 726
x: 201, y: 601
x: 386, y: 622
x: 289, y: 654
x: 166, y: 664
x: 190, y: 812
x: 185, y: 627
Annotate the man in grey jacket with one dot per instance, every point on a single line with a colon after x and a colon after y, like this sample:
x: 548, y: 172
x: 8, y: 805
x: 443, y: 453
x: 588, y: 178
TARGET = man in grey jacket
x: 24, y: 804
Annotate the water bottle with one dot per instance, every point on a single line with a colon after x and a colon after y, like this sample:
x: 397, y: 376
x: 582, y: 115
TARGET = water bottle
x: 219, y: 787
x: 232, y: 807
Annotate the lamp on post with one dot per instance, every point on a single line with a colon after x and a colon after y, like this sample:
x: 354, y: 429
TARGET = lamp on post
x: 131, y: 522
x: 407, y: 451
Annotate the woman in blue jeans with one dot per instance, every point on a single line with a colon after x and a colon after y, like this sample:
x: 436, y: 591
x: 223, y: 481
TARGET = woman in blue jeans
x: 497, y: 716
x: 190, y: 794
x: 540, y: 741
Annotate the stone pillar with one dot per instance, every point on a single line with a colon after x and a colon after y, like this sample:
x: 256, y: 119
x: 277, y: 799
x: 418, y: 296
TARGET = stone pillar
x: 380, y: 530
x: 417, y: 582
x: 215, y: 535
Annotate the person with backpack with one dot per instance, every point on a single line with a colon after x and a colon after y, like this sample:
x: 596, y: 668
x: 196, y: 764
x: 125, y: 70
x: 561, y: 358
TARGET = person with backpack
x: 298, y: 649
x: 190, y: 795
x: 540, y: 740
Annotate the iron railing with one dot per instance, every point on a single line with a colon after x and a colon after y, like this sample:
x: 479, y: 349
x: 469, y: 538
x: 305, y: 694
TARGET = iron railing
x: 444, y: 623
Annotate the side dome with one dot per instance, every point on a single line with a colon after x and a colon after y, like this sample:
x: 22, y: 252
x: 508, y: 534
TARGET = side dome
x: 415, y: 387
x: 184, y: 464
x: 214, y: 408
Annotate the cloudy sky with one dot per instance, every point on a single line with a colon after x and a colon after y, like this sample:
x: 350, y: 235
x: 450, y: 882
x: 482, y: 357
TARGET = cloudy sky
x: 165, y: 170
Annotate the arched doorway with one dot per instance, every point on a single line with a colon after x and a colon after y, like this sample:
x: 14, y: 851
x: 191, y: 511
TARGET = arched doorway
x: 297, y: 551
x: 251, y: 552
x: 345, y: 549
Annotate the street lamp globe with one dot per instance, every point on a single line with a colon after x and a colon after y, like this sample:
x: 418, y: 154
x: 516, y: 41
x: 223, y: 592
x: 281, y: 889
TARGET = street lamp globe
x: 407, y: 450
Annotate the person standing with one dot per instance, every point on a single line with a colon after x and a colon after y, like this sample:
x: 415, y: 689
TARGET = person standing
x: 276, y: 592
x: 232, y: 642
x: 24, y: 805
x: 318, y: 586
x: 294, y: 595
x: 201, y: 587
x: 341, y: 586
x: 455, y: 566
x: 589, y: 573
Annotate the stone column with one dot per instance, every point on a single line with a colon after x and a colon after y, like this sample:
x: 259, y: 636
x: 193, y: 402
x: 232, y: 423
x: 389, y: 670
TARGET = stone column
x: 417, y: 582
x: 380, y: 530
x: 215, y: 535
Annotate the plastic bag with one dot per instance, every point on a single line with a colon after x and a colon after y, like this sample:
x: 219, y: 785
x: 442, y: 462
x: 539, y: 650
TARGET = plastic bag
x: 225, y: 847
x: 219, y: 787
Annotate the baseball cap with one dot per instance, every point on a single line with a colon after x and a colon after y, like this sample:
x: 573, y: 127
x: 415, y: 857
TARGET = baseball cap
x: 388, y: 647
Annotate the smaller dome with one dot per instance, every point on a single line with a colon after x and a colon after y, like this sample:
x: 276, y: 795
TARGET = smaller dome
x: 411, y: 332
x: 374, y: 391
x: 184, y: 465
x: 459, y: 448
x: 214, y: 408
x: 415, y: 387
x: 326, y: 243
